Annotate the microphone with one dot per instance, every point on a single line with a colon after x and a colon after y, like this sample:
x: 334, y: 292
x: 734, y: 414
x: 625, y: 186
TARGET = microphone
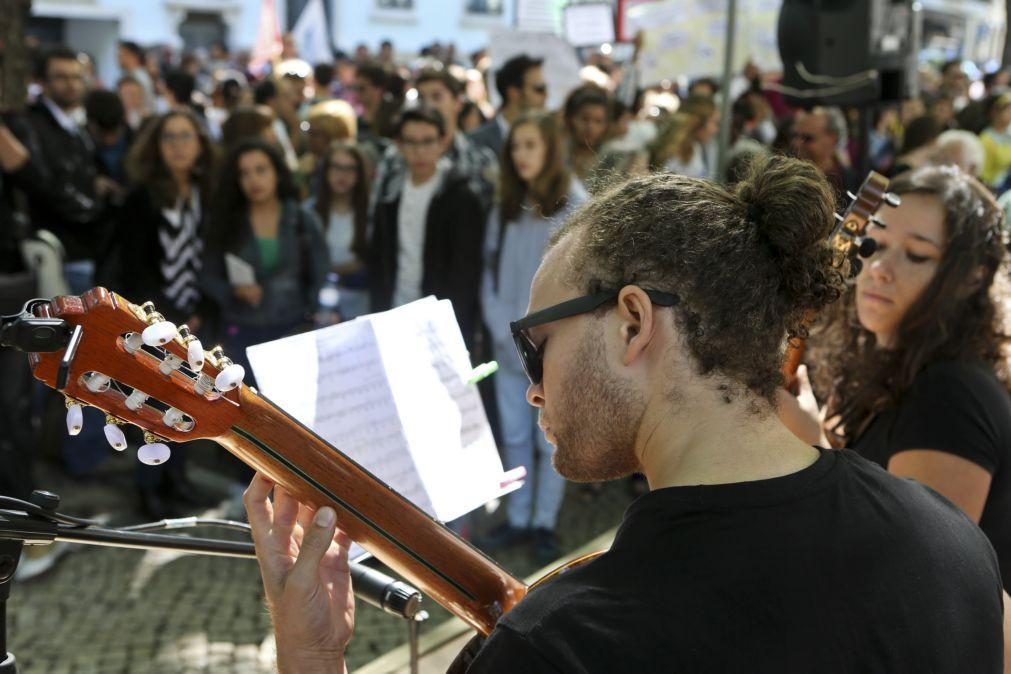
x: 385, y: 593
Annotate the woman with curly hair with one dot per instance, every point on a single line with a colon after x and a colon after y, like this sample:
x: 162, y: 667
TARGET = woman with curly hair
x: 919, y: 377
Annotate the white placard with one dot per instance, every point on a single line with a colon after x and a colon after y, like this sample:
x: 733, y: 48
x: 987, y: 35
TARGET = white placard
x: 687, y: 37
x: 239, y: 272
x: 588, y: 25
x: 561, y: 67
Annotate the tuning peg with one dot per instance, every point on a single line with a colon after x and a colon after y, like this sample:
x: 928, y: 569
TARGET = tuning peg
x: 204, y: 384
x: 133, y: 342
x: 136, y: 399
x: 75, y: 416
x: 96, y: 382
x: 867, y: 246
x: 194, y: 349
x: 154, y: 451
x: 176, y: 419
x: 893, y: 199
x: 114, y: 434
x: 159, y: 331
x: 231, y: 373
x: 171, y: 363
x: 230, y: 377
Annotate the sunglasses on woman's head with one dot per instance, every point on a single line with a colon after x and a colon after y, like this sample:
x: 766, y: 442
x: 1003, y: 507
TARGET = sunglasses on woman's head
x: 531, y: 355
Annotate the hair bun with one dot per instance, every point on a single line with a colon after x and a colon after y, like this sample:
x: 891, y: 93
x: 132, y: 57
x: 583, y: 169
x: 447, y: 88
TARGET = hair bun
x: 791, y: 207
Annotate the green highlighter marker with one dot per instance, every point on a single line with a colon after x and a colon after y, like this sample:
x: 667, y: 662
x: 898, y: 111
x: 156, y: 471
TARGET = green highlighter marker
x: 483, y: 371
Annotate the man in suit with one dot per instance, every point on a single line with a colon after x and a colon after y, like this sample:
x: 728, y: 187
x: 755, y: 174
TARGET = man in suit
x: 520, y: 83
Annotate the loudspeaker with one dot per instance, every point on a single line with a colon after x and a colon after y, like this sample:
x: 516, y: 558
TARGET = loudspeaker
x: 849, y: 52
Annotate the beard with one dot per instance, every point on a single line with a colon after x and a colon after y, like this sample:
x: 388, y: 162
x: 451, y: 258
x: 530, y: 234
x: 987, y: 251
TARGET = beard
x: 596, y: 419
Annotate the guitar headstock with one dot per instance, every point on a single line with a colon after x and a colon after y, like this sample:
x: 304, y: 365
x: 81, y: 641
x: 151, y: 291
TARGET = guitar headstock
x: 138, y: 368
x: 849, y: 240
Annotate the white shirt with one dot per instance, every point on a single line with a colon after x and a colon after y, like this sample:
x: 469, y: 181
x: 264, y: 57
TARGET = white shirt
x: 411, y: 225
x: 340, y: 233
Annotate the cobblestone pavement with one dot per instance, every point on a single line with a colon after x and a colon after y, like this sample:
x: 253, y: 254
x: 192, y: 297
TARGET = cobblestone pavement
x: 111, y: 611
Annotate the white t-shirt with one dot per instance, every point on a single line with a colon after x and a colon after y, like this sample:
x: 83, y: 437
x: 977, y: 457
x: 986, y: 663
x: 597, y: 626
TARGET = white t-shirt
x: 411, y: 222
x: 340, y: 233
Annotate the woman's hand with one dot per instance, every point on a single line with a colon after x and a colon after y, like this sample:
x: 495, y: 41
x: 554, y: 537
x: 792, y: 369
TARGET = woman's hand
x: 250, y: 293
x: 303, y: 560
x: 801, y: 414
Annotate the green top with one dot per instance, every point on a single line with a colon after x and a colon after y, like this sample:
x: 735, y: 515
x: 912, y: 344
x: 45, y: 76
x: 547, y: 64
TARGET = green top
x: 270, y: 251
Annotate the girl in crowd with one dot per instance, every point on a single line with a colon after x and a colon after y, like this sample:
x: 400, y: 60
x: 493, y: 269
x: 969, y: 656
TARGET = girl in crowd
x: 918, y: 370
x: 266, y: 257
x: 684, y: 144
x: 343, y: 207
x: 158, y: 253
x: 587, y: 115
x: 537, y: 194
x: 329, y: 122
x: 996, y: 138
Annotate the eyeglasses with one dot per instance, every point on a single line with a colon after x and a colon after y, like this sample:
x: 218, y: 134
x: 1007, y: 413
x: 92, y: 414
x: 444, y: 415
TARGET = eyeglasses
x: 531, y: 355
x: 426, y: 144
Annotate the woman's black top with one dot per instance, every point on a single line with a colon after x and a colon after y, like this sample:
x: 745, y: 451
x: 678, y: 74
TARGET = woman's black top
x: 963, y: 409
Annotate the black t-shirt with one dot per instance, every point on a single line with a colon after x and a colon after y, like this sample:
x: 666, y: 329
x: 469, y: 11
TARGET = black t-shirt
x: 962, y: 409
x: 840, y: 567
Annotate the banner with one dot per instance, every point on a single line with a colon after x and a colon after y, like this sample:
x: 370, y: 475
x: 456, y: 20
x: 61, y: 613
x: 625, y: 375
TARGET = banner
x: 311, y: 34
x: 687, y: 37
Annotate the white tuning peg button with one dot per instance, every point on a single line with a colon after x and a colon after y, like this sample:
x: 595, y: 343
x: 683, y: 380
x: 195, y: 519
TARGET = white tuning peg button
x: 75, y: 418
x: 154, y: 453
x: 160, y: 333
x: 195, y: 355
x: 114, y: 434
x: 230, y: 377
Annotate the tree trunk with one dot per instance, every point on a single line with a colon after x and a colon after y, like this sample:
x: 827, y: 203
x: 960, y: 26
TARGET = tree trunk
x: 14, y: 61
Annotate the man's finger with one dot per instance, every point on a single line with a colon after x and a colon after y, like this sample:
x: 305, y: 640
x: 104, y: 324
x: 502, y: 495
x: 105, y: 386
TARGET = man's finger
x: 258, y: 508
x: 285, y: 514
x: 316, y: 541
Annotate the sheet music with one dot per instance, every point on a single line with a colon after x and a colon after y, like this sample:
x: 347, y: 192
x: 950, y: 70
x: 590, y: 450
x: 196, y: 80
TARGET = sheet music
x: 389, y: 390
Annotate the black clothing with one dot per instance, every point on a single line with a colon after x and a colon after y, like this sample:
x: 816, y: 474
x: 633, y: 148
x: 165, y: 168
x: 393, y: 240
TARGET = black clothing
x: 489, y: 135
x: 452, y: 258
x: 59, y: 181
x: 839, y: 567
x: 134, y: 268
x: 961, y: 409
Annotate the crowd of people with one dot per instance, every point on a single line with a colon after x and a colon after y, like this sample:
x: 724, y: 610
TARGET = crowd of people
x: 228, y: 196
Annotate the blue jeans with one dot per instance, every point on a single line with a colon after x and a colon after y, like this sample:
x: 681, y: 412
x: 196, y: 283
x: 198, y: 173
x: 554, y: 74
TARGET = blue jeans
x: 537, y: 502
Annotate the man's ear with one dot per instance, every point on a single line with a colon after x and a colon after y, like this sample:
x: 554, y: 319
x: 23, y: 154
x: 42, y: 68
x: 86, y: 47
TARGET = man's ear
x: 638, y: 322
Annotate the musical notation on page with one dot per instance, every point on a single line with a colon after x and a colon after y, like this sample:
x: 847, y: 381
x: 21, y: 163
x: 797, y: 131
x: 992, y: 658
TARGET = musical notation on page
x: 391, y: 391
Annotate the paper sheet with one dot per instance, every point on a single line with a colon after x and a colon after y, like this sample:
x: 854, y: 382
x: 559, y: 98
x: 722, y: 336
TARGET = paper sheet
x: 240, y: 272
x: 389, y: 390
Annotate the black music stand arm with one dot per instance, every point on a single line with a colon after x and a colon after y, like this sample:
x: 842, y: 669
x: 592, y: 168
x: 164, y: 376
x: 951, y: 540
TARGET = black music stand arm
x: 10, y: 553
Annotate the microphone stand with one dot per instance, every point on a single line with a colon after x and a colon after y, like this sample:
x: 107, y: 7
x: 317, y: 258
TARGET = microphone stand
x: 36, y: 522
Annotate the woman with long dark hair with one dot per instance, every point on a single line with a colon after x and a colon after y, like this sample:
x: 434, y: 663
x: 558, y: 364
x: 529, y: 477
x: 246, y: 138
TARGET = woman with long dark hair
x: 266, y: 257
x: 157, y: 256
x: 919, y: 376
x: 537, y: 194
x: 342, y: 205
x: 587, y: 115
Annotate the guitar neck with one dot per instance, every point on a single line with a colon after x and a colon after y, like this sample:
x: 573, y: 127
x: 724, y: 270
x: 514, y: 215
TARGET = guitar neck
x: 420, y: 549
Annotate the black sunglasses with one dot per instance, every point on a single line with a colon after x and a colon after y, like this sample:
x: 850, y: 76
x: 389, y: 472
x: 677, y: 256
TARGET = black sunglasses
x: 531, y: 355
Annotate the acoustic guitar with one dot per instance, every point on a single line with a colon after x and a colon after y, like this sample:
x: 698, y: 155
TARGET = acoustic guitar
x: 129, y: 362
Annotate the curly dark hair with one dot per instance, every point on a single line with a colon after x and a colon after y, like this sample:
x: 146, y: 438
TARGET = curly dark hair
x: 750, y: 266
x: 943, y: 324
x: 230, y: 213
x: 145, y: 165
